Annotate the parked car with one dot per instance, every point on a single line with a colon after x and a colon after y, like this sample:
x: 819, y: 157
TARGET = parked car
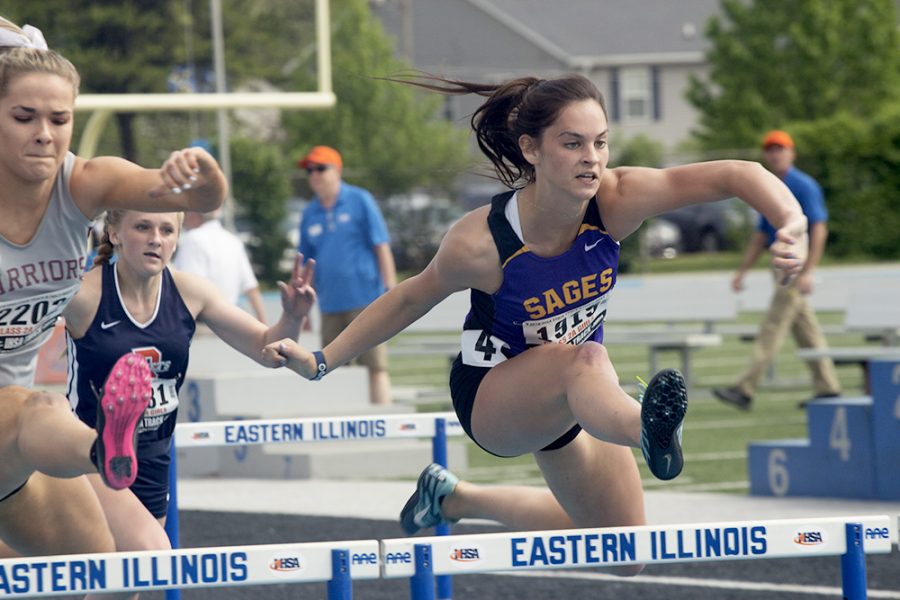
x: 661, y: 238
x: 417, y: 223
x: 709, y: 227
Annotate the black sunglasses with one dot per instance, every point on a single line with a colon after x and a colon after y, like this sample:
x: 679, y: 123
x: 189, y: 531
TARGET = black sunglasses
x: 316, y: 169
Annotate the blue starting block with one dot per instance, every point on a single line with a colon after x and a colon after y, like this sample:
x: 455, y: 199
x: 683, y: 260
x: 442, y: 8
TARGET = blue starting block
x: 853, y: 449
x: 885, y: 377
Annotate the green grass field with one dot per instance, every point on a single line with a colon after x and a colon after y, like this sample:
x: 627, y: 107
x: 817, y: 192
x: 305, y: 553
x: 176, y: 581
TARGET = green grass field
x: 715, y: 435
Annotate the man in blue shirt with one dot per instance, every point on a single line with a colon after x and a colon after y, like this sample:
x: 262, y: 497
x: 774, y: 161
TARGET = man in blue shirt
x: 344, y: 231
x: 789, y: 308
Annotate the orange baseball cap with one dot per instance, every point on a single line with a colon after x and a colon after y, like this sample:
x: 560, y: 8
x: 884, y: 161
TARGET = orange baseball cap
x: 321, y: 155
x: 778, y: 138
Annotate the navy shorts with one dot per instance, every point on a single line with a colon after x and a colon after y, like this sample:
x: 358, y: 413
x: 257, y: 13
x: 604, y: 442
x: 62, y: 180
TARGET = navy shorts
x: 464, y: 382
x: 151, y: 485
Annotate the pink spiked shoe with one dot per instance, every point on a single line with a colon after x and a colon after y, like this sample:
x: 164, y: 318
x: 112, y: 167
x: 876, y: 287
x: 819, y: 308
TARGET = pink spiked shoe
x: 126, y: 394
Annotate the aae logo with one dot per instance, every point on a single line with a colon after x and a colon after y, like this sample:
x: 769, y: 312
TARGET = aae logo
x: 398, y: 558
x: 467, y: 554
x: 809, y: 538
x: 286, y: 565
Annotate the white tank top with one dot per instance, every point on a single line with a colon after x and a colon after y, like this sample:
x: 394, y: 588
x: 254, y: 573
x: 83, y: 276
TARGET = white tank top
x: 38, y: 279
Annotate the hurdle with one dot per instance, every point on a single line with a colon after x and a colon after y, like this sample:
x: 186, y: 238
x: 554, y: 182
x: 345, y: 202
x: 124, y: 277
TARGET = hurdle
x: 339, y: 563
x: 336, y: 563
x: 435, y: 425
x: 421, y: 558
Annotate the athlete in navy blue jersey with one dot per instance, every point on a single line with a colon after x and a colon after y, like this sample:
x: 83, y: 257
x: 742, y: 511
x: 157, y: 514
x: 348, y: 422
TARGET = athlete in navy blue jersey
x: 532, y: 375
x: 139, y: 305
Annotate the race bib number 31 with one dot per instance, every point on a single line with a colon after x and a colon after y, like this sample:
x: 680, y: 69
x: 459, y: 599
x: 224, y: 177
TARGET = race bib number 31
x: 571, y: 327
x: 163, y: 403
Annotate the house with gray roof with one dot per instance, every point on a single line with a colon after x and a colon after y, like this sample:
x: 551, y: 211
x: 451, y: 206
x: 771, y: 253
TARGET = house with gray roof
x: 640, y: 53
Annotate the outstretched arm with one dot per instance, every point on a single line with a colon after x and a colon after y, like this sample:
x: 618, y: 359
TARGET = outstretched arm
x: 466, y: 258
x: 628, y: 195
x: 190, y: 179
x: 383, y: 319
x: 240, y: 330
x: 254, y: 297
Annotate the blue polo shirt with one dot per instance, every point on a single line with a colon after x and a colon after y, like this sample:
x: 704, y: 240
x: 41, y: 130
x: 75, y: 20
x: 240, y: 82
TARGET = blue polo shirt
x: 342, y: 240
x: 808, y: 193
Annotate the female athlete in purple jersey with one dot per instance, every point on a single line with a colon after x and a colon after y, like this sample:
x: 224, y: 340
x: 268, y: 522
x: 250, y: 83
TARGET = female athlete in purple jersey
x: 524, y: 383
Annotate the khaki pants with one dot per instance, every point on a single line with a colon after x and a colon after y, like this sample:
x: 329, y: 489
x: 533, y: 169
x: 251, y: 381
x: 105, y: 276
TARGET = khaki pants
x: 789, y: 310
x: 374, y: 359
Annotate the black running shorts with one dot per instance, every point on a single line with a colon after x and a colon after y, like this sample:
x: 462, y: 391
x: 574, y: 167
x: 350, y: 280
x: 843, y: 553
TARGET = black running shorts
x: 464, y: 382
x: 151, y: 485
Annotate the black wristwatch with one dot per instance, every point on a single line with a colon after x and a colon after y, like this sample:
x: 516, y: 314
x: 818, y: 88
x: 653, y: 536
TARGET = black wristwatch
x: 321, y: 365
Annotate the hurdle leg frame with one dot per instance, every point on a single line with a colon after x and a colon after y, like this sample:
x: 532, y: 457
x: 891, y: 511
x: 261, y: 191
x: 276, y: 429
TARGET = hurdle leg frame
x: 172, y: 523
x: 339, y: 586
x: 439, y: 455
x: 421, y: 584
x: 853, y: 564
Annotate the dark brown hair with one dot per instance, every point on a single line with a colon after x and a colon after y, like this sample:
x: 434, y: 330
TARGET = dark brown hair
x: 523, y: 106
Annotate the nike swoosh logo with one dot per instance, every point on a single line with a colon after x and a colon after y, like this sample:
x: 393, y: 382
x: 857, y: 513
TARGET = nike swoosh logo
x: 111, y: 324
x: 668, y: 458
x: 589, y: 247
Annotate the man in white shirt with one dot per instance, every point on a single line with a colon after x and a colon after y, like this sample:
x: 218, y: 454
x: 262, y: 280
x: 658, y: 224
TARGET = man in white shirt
x: 211, y: 251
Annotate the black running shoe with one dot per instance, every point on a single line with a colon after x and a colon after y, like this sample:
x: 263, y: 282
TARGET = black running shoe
x: 663, y: 406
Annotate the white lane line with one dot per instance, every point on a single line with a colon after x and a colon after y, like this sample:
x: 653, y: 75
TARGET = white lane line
x: 722, y: 584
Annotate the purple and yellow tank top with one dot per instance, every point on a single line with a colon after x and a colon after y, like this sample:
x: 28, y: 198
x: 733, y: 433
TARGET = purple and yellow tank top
x: 560, y: 299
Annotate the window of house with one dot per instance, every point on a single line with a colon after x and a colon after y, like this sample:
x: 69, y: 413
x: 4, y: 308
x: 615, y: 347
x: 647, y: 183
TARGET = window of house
x: 636, y: 94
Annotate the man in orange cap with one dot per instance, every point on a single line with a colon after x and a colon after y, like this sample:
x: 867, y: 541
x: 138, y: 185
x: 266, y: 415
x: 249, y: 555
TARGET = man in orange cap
x: 789, y: 308
x: 343, y: 229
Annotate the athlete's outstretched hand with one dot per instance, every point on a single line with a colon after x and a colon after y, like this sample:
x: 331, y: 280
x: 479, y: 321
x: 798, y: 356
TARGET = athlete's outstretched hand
x: 292, y: 355
x: 298, y: 296
x: 790, y: 249
x: 185, y: 170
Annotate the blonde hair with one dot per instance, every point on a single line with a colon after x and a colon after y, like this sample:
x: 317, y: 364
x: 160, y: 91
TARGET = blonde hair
x: 113, y: 218
x: 16, y: 61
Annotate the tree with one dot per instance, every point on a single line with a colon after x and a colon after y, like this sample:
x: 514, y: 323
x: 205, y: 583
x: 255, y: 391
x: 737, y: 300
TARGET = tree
x: 777, y: 61
x: 135, y: 47
x: 117, y: 46
x: 261, y: 187
x: 859, y: 170
x: 389, y: 134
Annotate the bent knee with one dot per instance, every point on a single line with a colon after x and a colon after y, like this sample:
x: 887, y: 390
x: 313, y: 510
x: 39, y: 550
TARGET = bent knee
x: 593, y: 355
x: 43, y: 399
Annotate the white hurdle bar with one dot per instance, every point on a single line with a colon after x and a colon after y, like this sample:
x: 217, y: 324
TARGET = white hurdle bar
x: 333, y: 562
x: 435, y: 425
x: 421, y: 558
x: 314, y: 429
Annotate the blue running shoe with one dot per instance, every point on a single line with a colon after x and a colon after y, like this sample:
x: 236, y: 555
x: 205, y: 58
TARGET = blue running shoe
x: 423, y: 509
x: 663, y: 406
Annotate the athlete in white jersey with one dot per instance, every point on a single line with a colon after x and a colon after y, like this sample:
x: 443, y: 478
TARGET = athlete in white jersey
x: 47, y: 198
